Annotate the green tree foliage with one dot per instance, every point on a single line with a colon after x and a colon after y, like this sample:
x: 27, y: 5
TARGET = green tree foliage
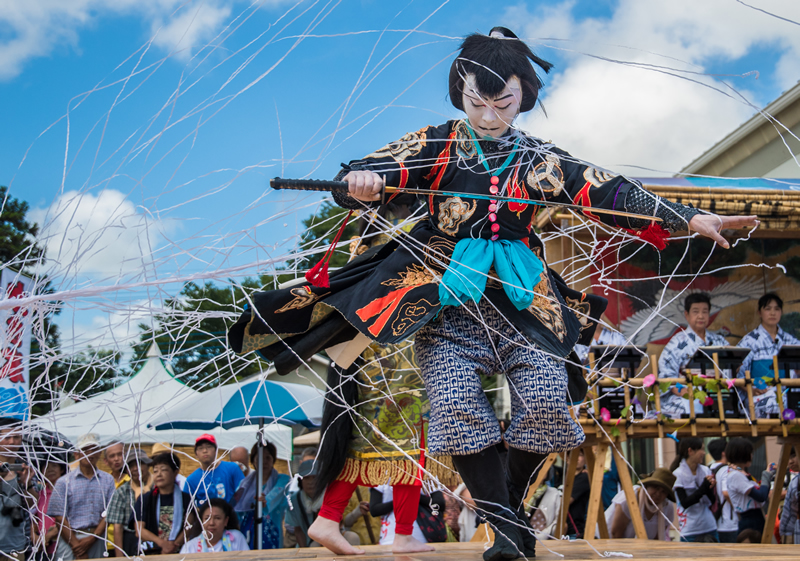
x: 193, y: 333
x: 91, y: 371
x: 17, y: 234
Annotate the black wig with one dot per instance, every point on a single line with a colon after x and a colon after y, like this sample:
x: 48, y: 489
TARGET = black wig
x: 493, y: 60
x: 337, y: 424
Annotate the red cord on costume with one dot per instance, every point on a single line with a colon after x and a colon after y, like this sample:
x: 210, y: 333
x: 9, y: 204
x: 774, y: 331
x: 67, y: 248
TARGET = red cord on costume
x: 318, y: 274
x: 655, y: 234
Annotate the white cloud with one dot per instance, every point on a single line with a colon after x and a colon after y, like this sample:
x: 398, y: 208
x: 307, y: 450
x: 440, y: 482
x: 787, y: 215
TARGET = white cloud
x: 188, y: 27
x: 103, y: 234
x: 614, y: 114
x: 35, y: 28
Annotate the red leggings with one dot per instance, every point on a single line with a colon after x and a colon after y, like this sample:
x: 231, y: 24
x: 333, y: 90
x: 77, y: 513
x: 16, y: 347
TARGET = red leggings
x: 406, y: 503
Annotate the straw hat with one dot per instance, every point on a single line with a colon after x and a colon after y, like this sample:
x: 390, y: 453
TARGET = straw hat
x: 663, y: 478
x: 160, y: 447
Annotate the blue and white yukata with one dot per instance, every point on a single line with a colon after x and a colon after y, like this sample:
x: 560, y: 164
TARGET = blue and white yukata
x: 672, y: 363
x: 759, y: 362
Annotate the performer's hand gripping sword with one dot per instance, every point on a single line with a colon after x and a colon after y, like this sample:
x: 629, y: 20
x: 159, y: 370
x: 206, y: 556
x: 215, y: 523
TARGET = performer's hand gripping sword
x: 342, y: 186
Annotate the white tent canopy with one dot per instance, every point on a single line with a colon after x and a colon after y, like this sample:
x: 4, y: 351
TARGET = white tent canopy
x: 123, y: 413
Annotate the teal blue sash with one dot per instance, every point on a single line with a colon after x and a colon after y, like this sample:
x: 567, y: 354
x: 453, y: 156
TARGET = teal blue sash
x: 517, y: 268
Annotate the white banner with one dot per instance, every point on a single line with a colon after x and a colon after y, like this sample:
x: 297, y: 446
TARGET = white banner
x: 15, y: 347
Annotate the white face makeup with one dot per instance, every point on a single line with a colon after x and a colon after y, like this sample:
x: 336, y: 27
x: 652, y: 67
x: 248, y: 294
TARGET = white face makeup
x: 491, y: 116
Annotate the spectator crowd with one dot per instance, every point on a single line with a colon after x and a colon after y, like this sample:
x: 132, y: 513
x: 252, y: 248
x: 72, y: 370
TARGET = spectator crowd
x: 53, y: 509
x: 143, y: 506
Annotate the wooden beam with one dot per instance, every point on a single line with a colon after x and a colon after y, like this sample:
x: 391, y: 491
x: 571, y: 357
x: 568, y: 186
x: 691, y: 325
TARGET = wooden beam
x: 751, y: 405
x: 657, y: 390
x: 569, y: 479
x: 592, y: 465
x: 783, y: 464
x: 779, y: 393
x: 543, y: 471
x: 692, y: 416
x: 630, y: 496
x: 595, y: 491
x: 720, y: 405
x: 626, y: 395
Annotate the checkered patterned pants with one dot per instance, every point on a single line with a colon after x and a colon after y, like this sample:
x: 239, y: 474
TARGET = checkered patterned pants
x: 464, y: 342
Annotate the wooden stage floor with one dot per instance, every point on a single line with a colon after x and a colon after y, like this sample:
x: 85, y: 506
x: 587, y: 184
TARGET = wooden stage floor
x: 653, y: 551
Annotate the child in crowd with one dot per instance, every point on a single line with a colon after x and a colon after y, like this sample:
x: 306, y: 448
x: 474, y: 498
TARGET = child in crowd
x: 220, y: 530
x: 694, y: 487
x: 746, y: 495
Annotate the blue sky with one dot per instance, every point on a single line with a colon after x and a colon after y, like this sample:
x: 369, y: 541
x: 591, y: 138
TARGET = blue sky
x: 174, y: 114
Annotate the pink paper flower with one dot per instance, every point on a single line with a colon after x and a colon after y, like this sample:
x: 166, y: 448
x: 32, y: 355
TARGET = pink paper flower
x: 649, y: 380
x: 730, y: 383
x: 605, y: 415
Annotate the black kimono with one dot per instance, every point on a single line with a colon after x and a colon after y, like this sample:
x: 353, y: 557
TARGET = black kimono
x: 391, y: 291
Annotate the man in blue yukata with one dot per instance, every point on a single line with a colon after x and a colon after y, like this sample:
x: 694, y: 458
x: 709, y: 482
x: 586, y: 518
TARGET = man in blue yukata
x: 765, y: 342
x: 681, y: 348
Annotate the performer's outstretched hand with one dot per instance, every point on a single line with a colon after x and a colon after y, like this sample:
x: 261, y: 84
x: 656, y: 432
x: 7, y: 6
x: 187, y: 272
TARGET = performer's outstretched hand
x: 364, y: 185
x: 710, y: 225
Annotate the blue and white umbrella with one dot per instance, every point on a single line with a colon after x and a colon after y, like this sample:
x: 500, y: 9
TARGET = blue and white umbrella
x: 250, y: 403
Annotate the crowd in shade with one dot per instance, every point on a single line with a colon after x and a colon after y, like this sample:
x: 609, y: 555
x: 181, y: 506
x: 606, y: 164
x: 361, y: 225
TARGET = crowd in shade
x: 57, y: 507
x: 142, y: 505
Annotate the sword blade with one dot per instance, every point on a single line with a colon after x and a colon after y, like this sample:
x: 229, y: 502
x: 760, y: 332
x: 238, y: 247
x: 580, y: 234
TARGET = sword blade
x: 323, y: 185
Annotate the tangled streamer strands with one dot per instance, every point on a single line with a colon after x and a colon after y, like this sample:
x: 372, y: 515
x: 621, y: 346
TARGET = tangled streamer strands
x: 131, y: 250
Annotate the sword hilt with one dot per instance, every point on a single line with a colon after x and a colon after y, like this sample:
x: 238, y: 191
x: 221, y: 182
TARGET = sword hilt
x: 307, y: 184
x: 279, y: 183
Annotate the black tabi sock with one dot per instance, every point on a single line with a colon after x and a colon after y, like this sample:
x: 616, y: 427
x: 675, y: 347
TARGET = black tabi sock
x: 485, y: 478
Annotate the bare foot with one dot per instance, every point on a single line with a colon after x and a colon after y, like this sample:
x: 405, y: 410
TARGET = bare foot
x: 326, y: 533
x: 408, y: 544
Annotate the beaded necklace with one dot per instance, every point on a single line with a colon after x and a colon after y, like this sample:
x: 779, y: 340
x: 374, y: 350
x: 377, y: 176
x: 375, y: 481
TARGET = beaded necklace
x: 494, y: 179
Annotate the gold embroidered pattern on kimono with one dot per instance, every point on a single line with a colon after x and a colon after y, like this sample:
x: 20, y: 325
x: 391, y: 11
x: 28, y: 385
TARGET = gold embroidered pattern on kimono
x: 302, y: 297
x: 452, y: 212
x: 547, y: 308
x: 597, y: 176
x: 408, y: 146
x: 547, y: 176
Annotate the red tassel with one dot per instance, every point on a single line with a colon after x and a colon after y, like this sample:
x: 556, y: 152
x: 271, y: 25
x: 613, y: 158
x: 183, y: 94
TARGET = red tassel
x: 655, y: 234
x: 318, y: 274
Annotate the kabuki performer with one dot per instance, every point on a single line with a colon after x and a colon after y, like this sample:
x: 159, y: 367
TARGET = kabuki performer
x: 469, y: 282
